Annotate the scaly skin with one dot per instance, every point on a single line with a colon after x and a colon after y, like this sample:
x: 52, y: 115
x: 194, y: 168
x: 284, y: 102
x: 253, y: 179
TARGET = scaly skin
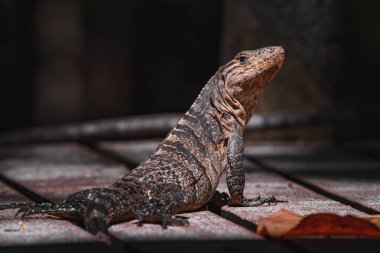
x: 183, y: 172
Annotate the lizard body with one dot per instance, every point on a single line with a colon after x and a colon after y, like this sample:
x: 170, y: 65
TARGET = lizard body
x: 182, y: 174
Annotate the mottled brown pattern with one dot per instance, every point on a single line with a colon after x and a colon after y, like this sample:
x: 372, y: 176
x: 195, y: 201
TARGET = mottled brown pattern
x: 184, y: 171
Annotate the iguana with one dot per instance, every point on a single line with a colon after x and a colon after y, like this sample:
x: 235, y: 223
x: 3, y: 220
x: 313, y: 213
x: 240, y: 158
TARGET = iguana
x: 183, y: 172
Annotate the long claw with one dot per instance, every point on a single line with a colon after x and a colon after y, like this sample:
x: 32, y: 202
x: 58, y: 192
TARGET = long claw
x: 21, y: 210
x: 140, y: 221
x: 25, y: 214
x: 164, y: 223
x: 259, y: 201
x: 281, y: 201
x: 174, y: 220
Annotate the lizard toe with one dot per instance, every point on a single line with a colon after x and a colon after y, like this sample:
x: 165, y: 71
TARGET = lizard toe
x: 173, y: 221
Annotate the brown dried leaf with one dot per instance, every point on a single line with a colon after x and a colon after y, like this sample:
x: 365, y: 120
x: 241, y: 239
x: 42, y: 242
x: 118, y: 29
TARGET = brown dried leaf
x: 278, y: 224
x: 285, y: 224
x: 375, y: 219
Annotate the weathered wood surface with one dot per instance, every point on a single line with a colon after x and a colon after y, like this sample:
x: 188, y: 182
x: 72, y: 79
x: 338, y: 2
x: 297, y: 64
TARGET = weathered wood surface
x: 53, y: 171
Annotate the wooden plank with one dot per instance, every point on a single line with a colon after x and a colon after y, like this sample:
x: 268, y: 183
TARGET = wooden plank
x: 206, y: 232
x: 34, y: 231
x: 347, y: 174
x: 52, y: 171
x: 57, y: 170
x: 36, y: 235
x: 300, y: 199
x: 203, y: 225
x: 9, y: 195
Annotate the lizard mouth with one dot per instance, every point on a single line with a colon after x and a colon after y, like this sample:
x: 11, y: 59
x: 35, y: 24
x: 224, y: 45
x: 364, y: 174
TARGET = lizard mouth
x: 281, y: 60
x: 281, y: 57
x: 278, y: 56
x: 269, y: 74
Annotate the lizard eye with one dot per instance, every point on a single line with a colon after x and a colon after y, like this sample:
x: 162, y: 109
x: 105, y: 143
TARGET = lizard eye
x: 242, y: 59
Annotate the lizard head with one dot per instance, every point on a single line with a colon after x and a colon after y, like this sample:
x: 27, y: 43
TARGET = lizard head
x: 246, y: 76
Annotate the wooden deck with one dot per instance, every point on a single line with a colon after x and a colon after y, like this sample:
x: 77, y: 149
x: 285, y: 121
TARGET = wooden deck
x: 313, y: 177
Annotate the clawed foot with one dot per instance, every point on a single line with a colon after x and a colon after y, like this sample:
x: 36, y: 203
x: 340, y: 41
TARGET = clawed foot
x: 173, y: 220
x: 26, y: 212
x: 163, y: 217
x: 221, y: 199
x: 258, y: 201
x: 261, y: 200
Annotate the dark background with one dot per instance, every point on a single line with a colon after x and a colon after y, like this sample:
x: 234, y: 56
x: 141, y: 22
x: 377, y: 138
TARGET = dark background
x: 68, y: 61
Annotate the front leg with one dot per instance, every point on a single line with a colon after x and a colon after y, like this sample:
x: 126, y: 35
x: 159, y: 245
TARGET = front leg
x: 235, y: 172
